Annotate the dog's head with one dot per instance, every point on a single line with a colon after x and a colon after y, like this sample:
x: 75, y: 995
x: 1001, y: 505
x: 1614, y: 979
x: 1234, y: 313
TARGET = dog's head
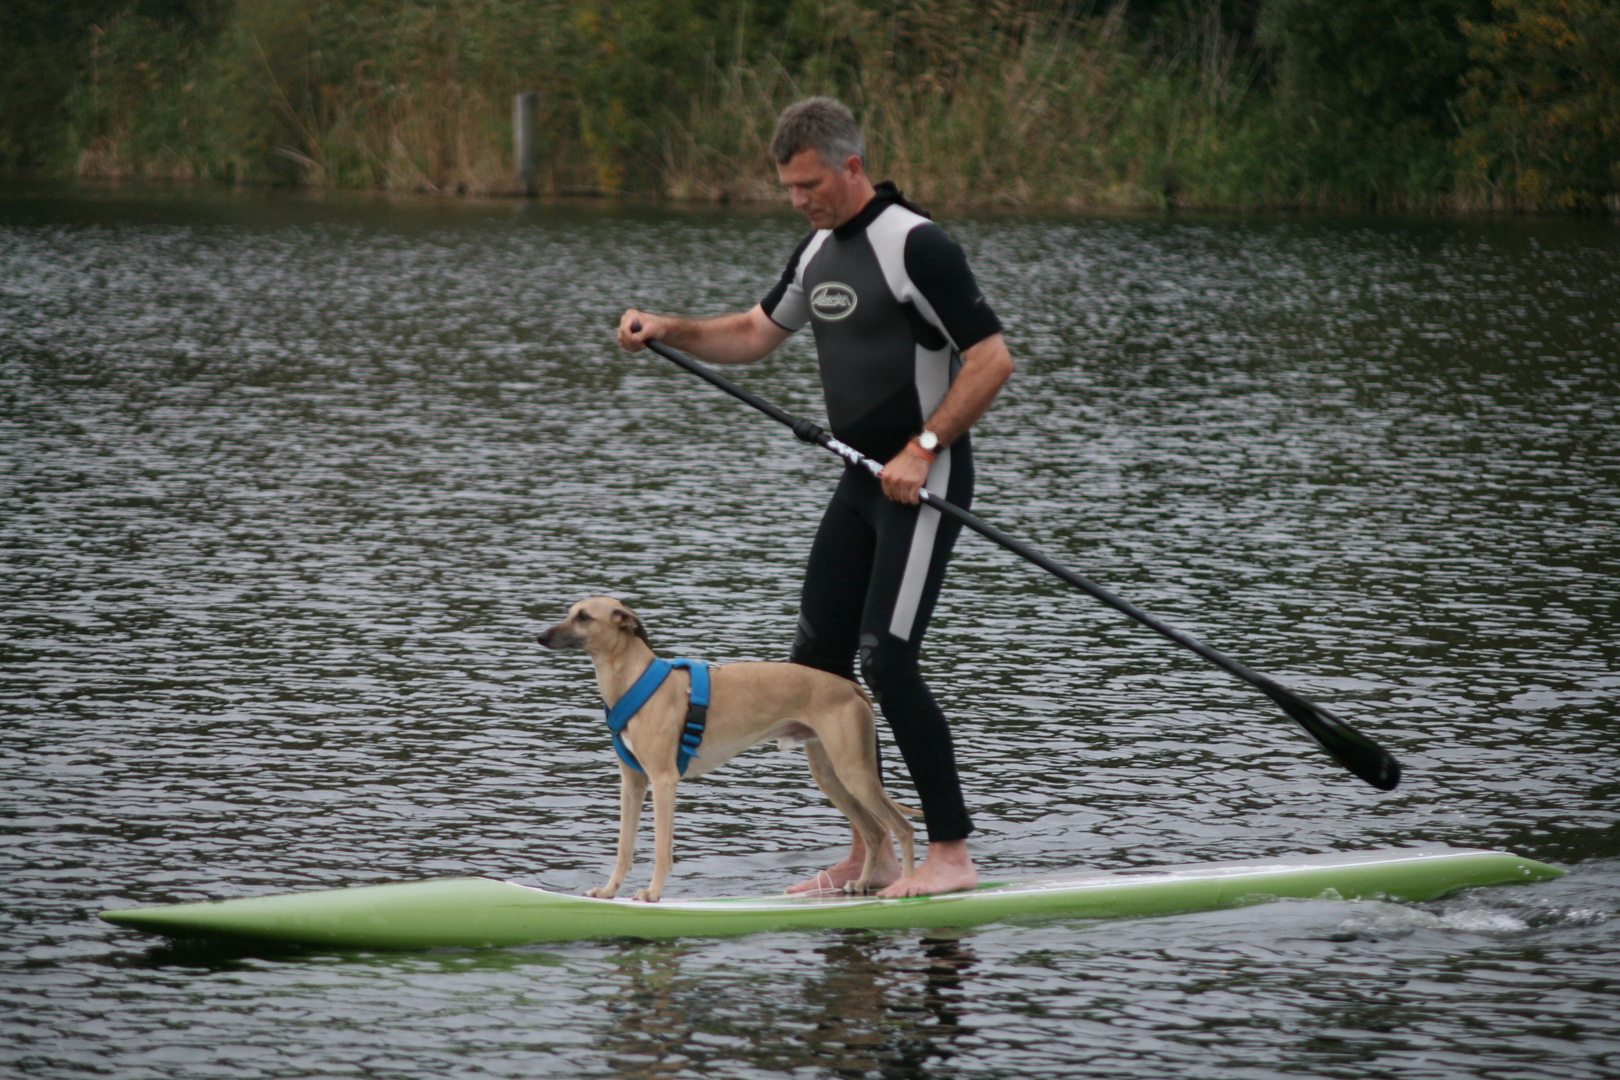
x: 595, y: 625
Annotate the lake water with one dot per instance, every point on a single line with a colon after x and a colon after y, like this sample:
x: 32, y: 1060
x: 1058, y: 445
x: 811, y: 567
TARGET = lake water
x: 289, y: 483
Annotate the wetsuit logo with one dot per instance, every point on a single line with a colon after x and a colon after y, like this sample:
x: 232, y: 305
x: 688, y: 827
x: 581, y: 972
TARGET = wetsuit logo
x: 832, y: 300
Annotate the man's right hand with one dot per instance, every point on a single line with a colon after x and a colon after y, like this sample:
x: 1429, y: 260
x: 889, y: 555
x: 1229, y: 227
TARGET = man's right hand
x: 636, y: 328
x: 725, y: 339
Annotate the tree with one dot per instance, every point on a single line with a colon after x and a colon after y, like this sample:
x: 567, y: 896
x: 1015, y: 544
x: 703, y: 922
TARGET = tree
x: 1543, y: 105
x: 1367, y: 88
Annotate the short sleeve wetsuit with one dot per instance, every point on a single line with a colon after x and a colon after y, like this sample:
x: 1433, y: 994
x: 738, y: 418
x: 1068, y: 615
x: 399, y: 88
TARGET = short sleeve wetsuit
x: 892, y: 304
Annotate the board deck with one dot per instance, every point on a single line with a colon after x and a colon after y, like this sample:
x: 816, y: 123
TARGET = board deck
x: 475, y: 912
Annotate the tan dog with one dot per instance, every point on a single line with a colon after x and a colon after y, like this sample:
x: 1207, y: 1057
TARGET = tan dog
x: 748, y: 704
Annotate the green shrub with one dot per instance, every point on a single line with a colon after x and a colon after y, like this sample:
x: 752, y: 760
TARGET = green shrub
x: 1198, y: 103
x: 1365, y: 92
x: 1543, y: 106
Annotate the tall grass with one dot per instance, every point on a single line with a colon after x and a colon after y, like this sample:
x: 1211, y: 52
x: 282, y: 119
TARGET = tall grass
x: 1055, y: 103
x: 1000, y: 103
x: 299, y: 91
x: 1011, y: 102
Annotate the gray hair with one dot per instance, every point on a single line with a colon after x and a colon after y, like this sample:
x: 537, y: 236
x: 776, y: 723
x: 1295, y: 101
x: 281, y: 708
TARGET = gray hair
x: 822, y: 124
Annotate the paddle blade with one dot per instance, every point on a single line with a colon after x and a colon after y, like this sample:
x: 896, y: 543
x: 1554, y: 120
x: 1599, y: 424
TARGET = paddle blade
x: 1347, y: 746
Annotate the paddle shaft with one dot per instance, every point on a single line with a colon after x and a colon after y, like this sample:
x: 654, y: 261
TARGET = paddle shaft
x: 1349, y: 747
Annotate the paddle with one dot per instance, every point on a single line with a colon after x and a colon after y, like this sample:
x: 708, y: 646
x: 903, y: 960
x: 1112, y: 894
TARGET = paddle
x: 1345, y: 744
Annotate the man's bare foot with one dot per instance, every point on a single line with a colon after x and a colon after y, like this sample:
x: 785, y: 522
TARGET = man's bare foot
x: 835, y: 878
x: 948, y: 868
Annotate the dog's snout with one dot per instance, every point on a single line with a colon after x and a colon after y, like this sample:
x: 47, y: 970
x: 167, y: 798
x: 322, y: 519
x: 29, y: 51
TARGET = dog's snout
x: 581, y: 627
x: 560, y: 636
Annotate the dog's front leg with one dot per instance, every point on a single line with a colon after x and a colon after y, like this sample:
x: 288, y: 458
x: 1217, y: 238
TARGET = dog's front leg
x: 663, y: 793
x: 632, y: 793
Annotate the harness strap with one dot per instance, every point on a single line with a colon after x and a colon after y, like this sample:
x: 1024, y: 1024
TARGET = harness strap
x: 697, y: 709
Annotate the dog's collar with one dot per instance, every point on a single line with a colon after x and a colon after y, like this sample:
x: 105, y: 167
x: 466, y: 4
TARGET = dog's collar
x: 697, y: 710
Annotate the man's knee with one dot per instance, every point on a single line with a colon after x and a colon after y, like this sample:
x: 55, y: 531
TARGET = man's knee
x: 886, y: 662
x: 811, y: 650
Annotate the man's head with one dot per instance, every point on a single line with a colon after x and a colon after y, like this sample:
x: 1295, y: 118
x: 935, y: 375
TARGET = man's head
x: 821, y: 124
x: 821, y: 159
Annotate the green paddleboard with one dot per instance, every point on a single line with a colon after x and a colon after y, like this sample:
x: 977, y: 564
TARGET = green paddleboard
x: 473, y: 911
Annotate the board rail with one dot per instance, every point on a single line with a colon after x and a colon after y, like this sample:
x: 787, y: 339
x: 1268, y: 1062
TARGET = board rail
x: 476, y: 912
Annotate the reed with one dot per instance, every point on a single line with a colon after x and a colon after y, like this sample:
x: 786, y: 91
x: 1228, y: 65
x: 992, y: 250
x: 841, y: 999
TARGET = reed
x: 1009, y: 103
x: 1024, y: 103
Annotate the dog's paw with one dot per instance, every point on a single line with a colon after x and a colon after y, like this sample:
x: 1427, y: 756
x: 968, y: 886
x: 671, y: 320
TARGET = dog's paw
x: 601, y: 892
x: 647, y: 896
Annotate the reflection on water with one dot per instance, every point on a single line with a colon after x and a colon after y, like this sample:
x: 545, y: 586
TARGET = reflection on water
x: 865, y: 1005
x: 288, y: 484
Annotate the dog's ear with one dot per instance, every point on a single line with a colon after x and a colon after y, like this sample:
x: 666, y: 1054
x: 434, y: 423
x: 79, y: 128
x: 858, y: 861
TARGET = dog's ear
x: 625, y: 618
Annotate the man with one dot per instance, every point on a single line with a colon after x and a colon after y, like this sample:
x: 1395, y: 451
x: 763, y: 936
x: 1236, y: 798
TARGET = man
x: 910, y: 357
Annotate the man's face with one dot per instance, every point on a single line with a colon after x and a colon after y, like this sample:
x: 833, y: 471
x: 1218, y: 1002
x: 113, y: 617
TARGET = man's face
x: 827, y: 196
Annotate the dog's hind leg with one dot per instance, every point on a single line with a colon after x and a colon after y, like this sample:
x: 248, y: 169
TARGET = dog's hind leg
x: 632, y: 793
x: 874, y: 837
x: 890, y: 815
x: 895, y: 816
x: 853, y: 747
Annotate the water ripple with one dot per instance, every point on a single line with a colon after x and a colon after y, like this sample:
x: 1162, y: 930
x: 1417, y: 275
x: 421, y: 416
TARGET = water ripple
x: 289, y: 486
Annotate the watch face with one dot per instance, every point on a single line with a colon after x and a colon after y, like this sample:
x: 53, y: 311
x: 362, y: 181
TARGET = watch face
x: 928, y: 441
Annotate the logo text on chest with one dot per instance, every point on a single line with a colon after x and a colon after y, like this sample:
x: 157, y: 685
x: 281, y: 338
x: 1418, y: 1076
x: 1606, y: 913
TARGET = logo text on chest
x: 832, y: 300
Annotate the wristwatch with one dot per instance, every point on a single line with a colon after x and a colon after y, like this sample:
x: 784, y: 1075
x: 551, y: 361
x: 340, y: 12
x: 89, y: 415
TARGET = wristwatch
x: 929, y: 442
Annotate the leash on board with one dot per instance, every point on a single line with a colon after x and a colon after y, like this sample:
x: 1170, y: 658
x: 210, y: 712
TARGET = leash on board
x: 1349, y: 747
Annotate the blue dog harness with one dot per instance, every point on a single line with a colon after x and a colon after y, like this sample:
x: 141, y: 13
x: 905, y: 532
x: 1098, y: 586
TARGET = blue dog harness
x: 697, y: 710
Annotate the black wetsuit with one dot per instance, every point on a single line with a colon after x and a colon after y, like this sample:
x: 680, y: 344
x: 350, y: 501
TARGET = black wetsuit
x: 893, y: 304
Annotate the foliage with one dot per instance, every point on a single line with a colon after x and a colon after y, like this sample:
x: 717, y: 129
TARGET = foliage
x: 42, y: 54
x: 1543, y: 104
x: 1145, y: 103
x: 1365, y: 88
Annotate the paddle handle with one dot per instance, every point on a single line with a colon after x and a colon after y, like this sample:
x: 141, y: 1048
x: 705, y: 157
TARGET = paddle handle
x: 1355, y: 751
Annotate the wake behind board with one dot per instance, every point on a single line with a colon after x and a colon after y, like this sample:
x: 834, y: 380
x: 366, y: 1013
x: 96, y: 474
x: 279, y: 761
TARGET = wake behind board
x: 474, y: 912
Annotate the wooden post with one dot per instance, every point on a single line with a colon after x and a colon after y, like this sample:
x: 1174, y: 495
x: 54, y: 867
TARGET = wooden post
x: 525, y: 136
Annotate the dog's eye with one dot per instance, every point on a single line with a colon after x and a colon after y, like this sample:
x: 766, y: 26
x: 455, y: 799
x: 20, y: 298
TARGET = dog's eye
x: 583, y: 616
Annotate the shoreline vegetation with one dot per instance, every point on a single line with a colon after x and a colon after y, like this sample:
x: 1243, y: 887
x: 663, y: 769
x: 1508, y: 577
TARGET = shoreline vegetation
x: 1390, y: 105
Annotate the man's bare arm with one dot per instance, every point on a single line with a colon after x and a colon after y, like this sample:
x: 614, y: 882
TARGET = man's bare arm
x: 985, y: 367
x: 741, y: 338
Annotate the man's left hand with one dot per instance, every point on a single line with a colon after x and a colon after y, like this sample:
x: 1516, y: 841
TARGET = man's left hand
x: 904, y: 476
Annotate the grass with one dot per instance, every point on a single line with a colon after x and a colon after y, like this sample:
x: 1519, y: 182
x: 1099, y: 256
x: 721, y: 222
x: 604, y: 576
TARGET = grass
x: 1021, y: 103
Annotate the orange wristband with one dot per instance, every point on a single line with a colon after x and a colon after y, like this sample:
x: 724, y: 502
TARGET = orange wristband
x: 920, y: 452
